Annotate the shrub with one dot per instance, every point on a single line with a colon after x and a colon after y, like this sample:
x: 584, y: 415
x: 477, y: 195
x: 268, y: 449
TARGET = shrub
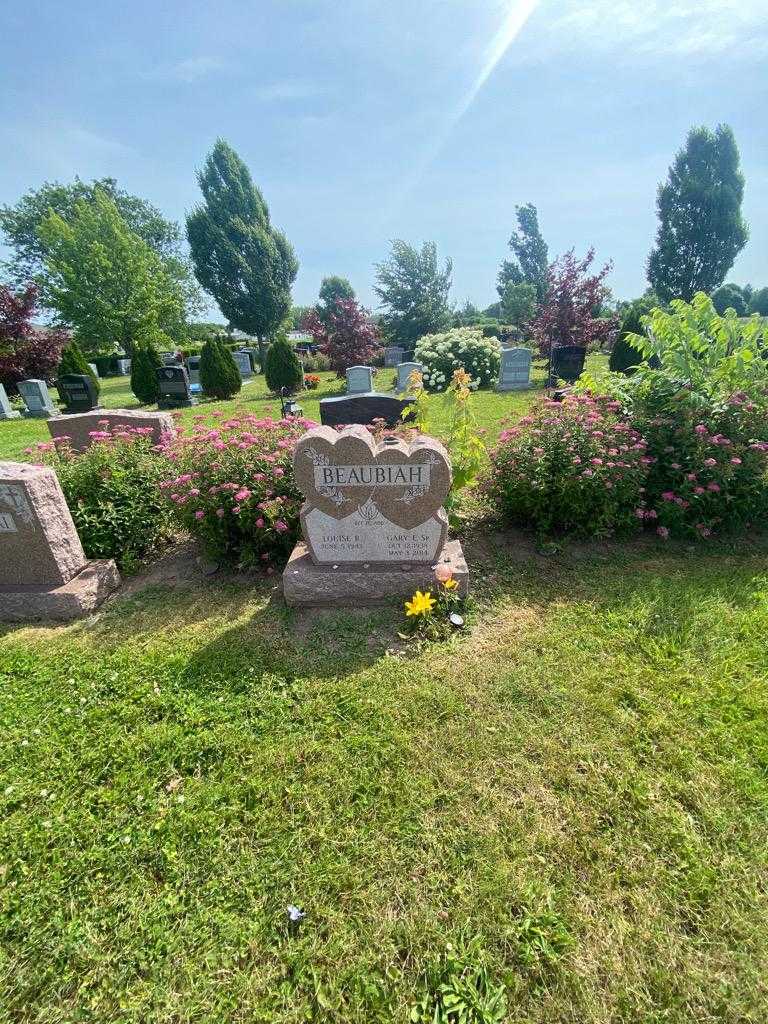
x: 462, y: 348
x: 113, y: 492
x: 219, y: 375
x: 311, y: 381
x: 625, y: 355
x: 233, y: 487
x: 282, y: 367
x: 73, y: 361
x: 25, y: 350
x: 570, y: 467
x: 144, y: 364
x: 348, y: 337
x: 315, y: 363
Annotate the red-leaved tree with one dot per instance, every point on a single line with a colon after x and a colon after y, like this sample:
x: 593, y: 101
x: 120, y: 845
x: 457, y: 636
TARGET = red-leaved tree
x: 350, y: 337
x: 25, y: 351
x: 567, y: 315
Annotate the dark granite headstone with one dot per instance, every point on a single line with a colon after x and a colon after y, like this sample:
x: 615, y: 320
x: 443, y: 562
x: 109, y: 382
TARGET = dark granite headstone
x: 78, y: 392
x: 173, y: 387
x: 363, y: 409
x: 568, y: 363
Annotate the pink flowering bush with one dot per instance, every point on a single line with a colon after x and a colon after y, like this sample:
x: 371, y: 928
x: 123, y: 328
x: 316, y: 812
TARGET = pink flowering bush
x: 570, y: 467
x: 113, y: 492
x: 232, y: 486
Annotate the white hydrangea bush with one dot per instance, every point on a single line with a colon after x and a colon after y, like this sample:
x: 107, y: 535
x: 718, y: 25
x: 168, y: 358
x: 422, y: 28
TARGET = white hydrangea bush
x: 462, y: 348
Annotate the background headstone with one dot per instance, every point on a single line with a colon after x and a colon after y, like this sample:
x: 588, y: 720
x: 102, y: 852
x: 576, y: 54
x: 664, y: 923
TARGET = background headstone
x: 363, y: 409
x: 94, y: 369
x: 174, y: 387
x: 78, y: 392
x: 78, y: 428
x: 193, y: 369
x: 243, y: 363
x: 123, y: 367
x: 514, y: 369
x: 6, y: 412
x: 404, y: 370
x: 393, y: 355
x: 37, y: 399
x: 567, y: 363
x: 359, y: 379
x: 43, y: 569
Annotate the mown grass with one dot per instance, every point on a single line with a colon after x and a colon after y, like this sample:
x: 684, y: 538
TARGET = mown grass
x: 575, y: 791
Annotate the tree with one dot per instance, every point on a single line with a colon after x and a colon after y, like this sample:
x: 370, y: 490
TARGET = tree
x: 759, y: 302
x: 567, y: 315
x: 21, y: 225
x: 414, y: 292
x: 105, y: 280
x: 729, y: 296
x: 25, y: 351
x: 529, y: 265
x: 219, y: 375
x: 282, y: 368
x: 624, y: 355
x: 144, y: 364
x: 74, y: 361
x: 701, y: 228
x: 331, y: 290
x: 348, y: 339
x: 246, y: 264
x: 518, y: 304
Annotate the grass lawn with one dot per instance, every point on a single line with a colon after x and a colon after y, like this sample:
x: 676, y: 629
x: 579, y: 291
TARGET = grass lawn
x: 572, y: 794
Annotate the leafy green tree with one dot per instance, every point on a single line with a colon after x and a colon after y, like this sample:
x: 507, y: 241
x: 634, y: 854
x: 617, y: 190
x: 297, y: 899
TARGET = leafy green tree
x: 530, y: 256
x: 331, y: 290
x: 245, y: 263
x: 518, y: 304
x: 144, y: 364
x: 219, y: 375
x: 624, y: 355
x: 414, y: 292
x: 759, y: 302
x: 104, y: 279
x: 701, y: 227
x: 73, y: 361
x: 729, y: 296
x: 282, y: 368
x: 21, y: 225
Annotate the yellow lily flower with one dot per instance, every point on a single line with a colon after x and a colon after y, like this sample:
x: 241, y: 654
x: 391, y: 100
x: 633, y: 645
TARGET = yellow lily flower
x: 420, y: 604
x: 450, y: 584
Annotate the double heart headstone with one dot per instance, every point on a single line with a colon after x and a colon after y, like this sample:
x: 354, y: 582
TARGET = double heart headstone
x: 370, y: 501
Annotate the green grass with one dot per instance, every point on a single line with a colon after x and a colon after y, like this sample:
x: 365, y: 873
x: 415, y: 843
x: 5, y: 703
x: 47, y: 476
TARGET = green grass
x: 490, y: 406
x: 574, y: 794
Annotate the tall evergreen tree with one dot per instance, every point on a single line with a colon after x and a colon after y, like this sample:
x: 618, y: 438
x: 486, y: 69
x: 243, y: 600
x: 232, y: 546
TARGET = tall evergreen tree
x: 701, y: 227
x: 245, y: 263
x: 73, y: 361
x: 530, y: 263
x: 219, y: 375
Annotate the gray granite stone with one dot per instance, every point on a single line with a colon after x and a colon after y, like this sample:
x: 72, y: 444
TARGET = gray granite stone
x: 79, y: 426
x: 359, y: 380
x: 37, y: 399
x: 514, y: 369
x: 6, y: 412
x: 404, y: 371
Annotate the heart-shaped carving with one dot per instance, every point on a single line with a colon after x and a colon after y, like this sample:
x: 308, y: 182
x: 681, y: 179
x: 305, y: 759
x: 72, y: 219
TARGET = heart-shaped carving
x: 340, y: 472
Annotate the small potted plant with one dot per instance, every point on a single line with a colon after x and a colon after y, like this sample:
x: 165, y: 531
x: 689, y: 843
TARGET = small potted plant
x: 311, y: 381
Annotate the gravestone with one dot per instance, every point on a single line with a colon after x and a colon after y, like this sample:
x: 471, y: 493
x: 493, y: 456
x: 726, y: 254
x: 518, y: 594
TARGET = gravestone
x: 174, y: 388
x: 363, y: 409
x: 404, y: 371
x: 79, y: 427
x: 514, y: 369
x: 44, y: 573
x: 373, y: 523
x: 6, y: 412
x: 393, y: 355
x: 193, y: 369
x: 123, y: 367
x: 359, y: 380
x: 567, y: 363
x: 168, y: 358
x: 36, y: 399
x: 94, y: 369
x: 78, y: 392
x: 243, y: 363
x: 253, y: 355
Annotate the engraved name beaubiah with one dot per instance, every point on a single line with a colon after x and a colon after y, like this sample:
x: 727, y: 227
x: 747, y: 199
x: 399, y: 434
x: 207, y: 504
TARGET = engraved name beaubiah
x: 408, y: 475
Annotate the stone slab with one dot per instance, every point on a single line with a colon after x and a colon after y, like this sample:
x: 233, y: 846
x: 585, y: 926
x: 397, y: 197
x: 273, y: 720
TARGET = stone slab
x: 80, y: 596
x: 6, y: 412
x: 79, y: 426
x: 320, y: 586
x: 363, y: 409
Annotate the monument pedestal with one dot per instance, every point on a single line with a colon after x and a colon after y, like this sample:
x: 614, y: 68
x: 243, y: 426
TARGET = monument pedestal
x: 72, y: 600
x: 306, y: 584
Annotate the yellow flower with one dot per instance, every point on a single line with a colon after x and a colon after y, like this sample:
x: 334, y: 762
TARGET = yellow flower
x: 421, y: 604
x: 450, y: 584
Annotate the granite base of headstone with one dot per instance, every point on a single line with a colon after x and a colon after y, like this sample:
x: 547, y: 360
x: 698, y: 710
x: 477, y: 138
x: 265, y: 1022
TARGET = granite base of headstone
x: 44, y: 573
x: 7, y: 412
x: 373, y: 525
x: 79, y: 427
x: 37, y: 400
x: 363, y: 409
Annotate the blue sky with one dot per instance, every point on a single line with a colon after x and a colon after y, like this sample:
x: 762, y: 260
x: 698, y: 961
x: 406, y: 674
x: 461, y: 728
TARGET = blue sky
x: 364, y: 121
